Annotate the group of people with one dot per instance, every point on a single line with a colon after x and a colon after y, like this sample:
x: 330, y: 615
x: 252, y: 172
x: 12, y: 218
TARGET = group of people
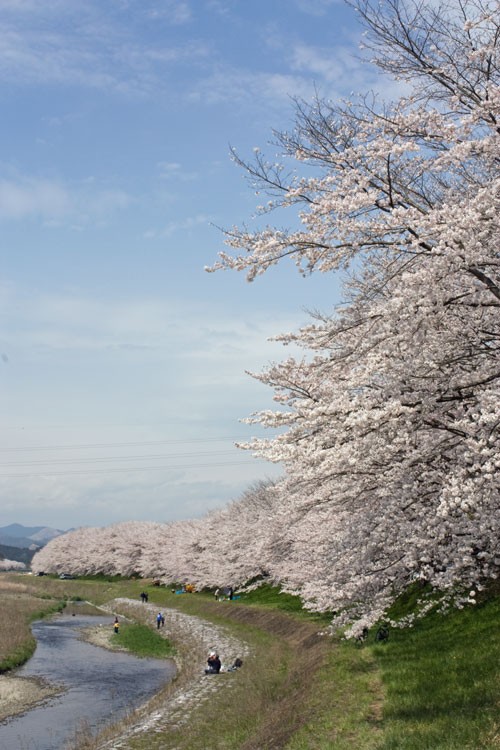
x: 214, y: 665
x: 144, y: 597
x: 225, y: 593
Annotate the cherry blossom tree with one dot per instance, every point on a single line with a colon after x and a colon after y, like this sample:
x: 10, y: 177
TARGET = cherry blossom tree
x: 6, y: 565
x: 237, y: 543
x: 391, y: 417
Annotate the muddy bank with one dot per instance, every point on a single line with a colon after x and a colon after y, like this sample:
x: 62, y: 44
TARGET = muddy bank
x: 19, y: 694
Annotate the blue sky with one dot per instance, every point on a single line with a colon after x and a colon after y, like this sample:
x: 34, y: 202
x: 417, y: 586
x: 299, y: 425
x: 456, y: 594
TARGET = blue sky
x: 123, y: 362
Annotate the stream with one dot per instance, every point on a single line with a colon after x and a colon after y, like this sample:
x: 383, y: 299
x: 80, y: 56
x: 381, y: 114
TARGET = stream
x: 99, y: 685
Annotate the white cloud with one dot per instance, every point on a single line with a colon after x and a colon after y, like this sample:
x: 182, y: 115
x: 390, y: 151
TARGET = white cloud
x: 180, y: 329
x: 91, y: 45
x: 182, y: 225
x: 245, y: 87
x: 75, y: 359
x: 54, y: 202
x: 323, y: 64
x: 175, y: 171
x: 176, y: 12
x: 31, y: 197
x: 316, y: 7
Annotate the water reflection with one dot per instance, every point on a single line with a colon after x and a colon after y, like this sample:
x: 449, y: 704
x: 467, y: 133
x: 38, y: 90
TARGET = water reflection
x: 100, y: 685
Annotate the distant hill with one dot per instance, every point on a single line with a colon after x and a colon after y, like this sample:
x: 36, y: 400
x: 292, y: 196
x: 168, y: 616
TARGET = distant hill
x: 26, y: 537
x: 21, y: 554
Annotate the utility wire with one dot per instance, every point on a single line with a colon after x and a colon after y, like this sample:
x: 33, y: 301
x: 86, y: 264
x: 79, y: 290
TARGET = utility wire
x: 120, y: 445
x: 123, y: 470
x: 102, y: 459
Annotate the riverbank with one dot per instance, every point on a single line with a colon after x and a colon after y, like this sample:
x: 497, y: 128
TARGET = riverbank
x: 263, y: 704
x: 20, y: 694
x: 194, y: 637
x: 297, y: 688
x: 102, y: 636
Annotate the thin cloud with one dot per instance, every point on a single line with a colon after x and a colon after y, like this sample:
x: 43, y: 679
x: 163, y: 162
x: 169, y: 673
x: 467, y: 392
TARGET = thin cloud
x: 30, y: 197
x: 316, y: 7
x: 175, y: 171
x: 239, y: 86
x: 183, y: 225
x: 173, y: 11
x: 90, y: 46
x: 55, y: 203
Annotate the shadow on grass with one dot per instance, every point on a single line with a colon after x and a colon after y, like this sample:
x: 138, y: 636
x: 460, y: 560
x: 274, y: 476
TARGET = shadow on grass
x: 441, y: 679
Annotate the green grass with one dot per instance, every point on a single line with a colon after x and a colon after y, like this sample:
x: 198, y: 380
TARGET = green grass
x: 431, y: 687
x: 143, y: 641
x: 271, y: 596
x: 442, y: 681
x: 345, y: 704
x: 435, y: 686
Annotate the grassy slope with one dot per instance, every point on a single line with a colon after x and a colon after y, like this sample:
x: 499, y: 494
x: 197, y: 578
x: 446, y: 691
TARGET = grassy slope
x: 432, y: 687
x: 442, y: 681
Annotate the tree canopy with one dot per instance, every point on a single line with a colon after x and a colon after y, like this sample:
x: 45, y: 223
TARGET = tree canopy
x: 392, y: 415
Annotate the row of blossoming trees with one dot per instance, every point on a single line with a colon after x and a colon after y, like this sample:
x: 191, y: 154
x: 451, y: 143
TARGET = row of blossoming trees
x: 388, y: 425
x: 232, y: 545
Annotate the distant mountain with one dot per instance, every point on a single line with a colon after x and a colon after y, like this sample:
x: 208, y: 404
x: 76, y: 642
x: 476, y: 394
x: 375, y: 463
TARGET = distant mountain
x: 27, y: 537
x: 21, y: 554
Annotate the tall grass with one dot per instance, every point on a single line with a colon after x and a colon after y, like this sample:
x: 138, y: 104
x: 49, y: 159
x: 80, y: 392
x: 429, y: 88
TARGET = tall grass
x: 18, y: 610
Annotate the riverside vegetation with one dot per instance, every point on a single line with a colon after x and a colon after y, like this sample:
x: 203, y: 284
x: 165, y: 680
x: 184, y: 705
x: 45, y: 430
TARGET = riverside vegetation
x: 431, y: 686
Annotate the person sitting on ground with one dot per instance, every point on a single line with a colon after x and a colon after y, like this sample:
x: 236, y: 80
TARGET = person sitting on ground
x: 236, y: 665
x: 214, y: 663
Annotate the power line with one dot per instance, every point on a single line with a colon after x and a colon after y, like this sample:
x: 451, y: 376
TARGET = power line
x: 124, y: 470
x: 120, y: 445
x: 102, y: 459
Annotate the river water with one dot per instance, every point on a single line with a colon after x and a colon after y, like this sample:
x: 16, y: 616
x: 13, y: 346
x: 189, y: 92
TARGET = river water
x: 99, y: 685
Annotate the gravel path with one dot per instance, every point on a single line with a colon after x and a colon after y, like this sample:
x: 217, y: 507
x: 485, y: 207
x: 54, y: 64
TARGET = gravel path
x: 193, y: 638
